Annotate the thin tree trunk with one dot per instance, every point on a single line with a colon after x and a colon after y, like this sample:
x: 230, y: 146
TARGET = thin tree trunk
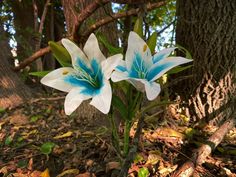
x: 12, y: 90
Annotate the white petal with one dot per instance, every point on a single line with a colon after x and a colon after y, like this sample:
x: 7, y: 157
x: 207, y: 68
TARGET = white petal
x: 162, y: 54
x: 110, y: 63
x: 121, y: 66
x: 102, y: 101
x: 152, y: 89
x: 159, y: 68
x: 55, y: 79
x: 73, y: 99
x: 137, y: 45
x: 92, y: 49
x: 74, y: 51
x: 138, y: 84
x: 117, y: 76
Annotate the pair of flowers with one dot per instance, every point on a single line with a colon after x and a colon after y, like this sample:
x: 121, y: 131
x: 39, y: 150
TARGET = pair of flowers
x: 89, y: 77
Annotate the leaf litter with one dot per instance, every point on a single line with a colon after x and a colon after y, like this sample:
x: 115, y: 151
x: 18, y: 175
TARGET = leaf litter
x: 38, y: 139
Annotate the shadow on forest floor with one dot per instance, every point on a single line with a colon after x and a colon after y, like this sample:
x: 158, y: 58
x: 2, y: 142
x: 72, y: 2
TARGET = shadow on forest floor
x: 81, y: 148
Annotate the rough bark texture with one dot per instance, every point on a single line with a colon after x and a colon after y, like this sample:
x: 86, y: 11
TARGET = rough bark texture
x: 12, y: 90
x: 208, y: 29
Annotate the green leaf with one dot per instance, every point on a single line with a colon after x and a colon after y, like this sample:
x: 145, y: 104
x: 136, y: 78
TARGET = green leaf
x: 46, y: 148
x: 121, y: 107
x: 112, y: 50
x: 185, y: 51
x: 22, y: 163
x: 60, y: 53
x: 138, y: 27
x: 8, y: 140
x: 35, y: 118
x: 143, y: 172
x: 39, y: 73
x: 138, y: 158
x: 152, y: 41
x: 178, y: 69
x: 2, y: 110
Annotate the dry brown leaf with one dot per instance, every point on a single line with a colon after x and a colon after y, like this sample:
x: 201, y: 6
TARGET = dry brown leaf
x: 112, y: 165
x: 70, y: 171
x: 19, y: 119
x: 86, y: 174
x: 65, y: 135
x: 45, y: 173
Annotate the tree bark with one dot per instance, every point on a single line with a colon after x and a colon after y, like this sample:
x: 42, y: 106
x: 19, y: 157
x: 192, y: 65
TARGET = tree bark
x: 12, y: 90
x: 208, y: 29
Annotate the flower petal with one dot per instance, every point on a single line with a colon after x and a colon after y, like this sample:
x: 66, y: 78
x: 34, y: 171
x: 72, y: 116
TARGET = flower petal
x: 56, y: 79
x: 162, y: 54
x: 110, y: 63
x: 92, y: 50
x: 136, y: 45
x: 159, y: 68
x: 121, y: 67
x: 102, y: 101
x: 152, y: 89
x: 138, y: 84
x: 117, y: 76
x: 73, y: 99
x: 75, y: 52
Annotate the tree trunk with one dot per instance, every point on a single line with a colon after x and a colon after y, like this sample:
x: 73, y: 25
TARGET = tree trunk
x: 208, y: 29
x: 12, y: 90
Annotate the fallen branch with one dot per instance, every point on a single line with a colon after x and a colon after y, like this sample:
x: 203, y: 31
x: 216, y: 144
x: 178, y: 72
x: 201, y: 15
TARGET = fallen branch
x: 199, y: 157
x: 114, y: 17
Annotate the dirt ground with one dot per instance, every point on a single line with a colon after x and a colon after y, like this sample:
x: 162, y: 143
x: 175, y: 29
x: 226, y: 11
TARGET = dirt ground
x: 38, y: 139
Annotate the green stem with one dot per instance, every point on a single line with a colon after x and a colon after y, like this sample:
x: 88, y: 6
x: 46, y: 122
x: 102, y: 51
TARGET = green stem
x: 134, y: 105
x: 126, y: 137
x: 115, y: 135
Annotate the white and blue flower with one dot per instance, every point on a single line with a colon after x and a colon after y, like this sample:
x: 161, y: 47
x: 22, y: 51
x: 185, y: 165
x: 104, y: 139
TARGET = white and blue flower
x: 89, y: 77
x: 142, y: 69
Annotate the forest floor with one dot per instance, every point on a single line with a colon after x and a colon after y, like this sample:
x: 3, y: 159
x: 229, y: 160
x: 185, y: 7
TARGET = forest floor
x: 38, y: 139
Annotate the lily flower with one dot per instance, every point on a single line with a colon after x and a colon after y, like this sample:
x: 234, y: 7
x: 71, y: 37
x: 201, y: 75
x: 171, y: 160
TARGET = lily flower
x: 89, y: 77
x: 142, y: 69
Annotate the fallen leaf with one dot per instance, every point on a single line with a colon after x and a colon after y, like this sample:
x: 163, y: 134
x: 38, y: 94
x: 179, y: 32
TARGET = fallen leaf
x: 45, y: 173
x: 70, y: 171
x: 167, y: 170
x: 65, y: 135
x: 25, y: 135
x: 86, y: 174
x: 19, y: 119
x: 1, y: 124
x: 154, y: 157
x: 112, y: 165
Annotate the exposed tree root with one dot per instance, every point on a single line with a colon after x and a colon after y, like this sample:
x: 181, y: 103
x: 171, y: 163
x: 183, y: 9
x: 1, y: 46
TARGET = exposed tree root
x: 199, y: 157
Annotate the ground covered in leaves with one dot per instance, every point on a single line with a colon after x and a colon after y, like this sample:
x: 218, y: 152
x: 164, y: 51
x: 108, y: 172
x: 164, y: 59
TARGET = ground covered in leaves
x: 38, y: 139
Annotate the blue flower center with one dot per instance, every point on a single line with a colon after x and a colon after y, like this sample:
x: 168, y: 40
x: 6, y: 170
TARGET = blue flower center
x: 89, y: 78
x: 139, y: 68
